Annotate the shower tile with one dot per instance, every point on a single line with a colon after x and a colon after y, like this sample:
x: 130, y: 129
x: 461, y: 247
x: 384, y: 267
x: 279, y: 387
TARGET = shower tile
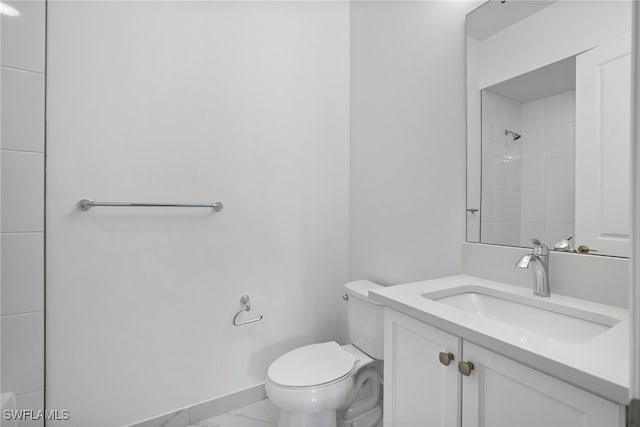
x: 533, y: 206
x: 23, y: 36
x: 22, y: 353
x: 489, y: 101
x: 533, y: 175
x: 490, y: 172
x: 502, y: 112
x: 22, y: 284
x: 507, y: 206
x: 560, y: 140
x: 532, y: 229
x: 507, y: 233
x: 559, y: 108
x: 488, y: 232
x: 556, y: 232
x: 489, y: 145
x: 488, y: 206
x: 22, y: 110
x: 533, y: 144
x: 559, y: 207
x: 559, y: 173
x: 532, y: 115
x: 22, y: 191
x: 514, y: 116
x: 510, y: 175
x: 510, y: 149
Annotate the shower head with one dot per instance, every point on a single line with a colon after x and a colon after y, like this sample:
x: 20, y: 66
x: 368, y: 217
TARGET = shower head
x: 516, y: 136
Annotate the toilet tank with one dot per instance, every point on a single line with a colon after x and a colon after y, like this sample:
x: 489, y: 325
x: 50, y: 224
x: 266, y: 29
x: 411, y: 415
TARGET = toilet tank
x: 366, y: 319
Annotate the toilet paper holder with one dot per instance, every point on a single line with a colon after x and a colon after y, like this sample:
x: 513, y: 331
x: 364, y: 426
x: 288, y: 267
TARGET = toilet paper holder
x: 245, y: 306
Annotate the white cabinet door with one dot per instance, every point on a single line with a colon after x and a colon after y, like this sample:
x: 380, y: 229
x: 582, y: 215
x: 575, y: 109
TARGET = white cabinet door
x: 603, y: 148
x: 419, y: 391
x: 501, y: 392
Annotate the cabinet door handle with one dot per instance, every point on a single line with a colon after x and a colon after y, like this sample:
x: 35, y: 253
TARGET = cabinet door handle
x: 445, y: 358
x: 465, y: 368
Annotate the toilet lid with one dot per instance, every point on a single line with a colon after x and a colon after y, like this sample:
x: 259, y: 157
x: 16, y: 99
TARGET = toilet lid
x: 311, y: 365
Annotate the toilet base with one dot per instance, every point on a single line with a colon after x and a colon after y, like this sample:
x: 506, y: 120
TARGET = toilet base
x: 306, y: 419
x: 371, y: 418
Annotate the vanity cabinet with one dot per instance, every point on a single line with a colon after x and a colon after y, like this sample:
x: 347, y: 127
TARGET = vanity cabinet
x: 419, y: 390
x: 502, y: 392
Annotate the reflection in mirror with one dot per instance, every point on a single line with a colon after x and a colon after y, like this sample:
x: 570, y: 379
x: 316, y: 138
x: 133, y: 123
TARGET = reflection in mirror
x: 548, y: 89
x: 528, y: 156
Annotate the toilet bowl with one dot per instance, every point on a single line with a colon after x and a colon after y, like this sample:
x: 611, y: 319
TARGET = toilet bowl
x: 312, y: 383
x: 322, y: 385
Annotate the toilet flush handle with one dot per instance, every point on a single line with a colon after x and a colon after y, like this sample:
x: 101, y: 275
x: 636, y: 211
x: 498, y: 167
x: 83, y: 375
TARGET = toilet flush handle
x: 345, y: 297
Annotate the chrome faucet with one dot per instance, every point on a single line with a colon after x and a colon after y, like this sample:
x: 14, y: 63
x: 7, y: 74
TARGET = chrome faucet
x: 539, y: 258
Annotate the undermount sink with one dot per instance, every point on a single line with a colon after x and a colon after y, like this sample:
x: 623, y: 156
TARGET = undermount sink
x: 524, y: 314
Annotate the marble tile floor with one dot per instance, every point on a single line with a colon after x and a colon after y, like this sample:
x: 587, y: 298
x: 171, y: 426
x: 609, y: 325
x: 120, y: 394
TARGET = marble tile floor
x: 259, y: 414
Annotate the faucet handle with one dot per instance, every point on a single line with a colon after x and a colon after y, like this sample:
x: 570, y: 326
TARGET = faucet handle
x: 539, y: 248
x: 564, y: 245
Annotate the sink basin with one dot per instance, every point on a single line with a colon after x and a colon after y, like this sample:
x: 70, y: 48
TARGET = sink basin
x: 523, y: 314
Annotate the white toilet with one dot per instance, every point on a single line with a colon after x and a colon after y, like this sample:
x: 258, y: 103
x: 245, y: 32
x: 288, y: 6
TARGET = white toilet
x: 326, y: 385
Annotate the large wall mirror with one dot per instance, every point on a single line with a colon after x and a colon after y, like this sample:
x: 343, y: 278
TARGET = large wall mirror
x: 549, y: 124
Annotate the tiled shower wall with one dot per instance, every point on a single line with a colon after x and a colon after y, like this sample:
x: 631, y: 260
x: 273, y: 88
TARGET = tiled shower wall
x: 527, y: 185
x: 548, y: 163
x: 501, y: 170
x: 22, y: 203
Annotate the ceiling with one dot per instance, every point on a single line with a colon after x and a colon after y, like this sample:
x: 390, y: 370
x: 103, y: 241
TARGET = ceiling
x: 550, y: 80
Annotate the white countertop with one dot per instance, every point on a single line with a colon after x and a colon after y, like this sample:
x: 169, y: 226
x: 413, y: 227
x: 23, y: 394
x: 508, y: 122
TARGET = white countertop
x: 599, y: 365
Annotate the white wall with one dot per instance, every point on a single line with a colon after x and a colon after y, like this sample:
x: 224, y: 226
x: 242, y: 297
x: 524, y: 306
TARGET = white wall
x: 246, y: 103
x: 22, y: 149
x: 407, y: 210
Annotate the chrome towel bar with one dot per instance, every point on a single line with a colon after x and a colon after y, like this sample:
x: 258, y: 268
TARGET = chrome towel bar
x: 245, y: 306
x: 86, y: 204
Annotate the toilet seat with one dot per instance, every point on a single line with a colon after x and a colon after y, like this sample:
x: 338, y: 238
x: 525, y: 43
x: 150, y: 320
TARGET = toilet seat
x: 312, y: 365
x: 319, y: 379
